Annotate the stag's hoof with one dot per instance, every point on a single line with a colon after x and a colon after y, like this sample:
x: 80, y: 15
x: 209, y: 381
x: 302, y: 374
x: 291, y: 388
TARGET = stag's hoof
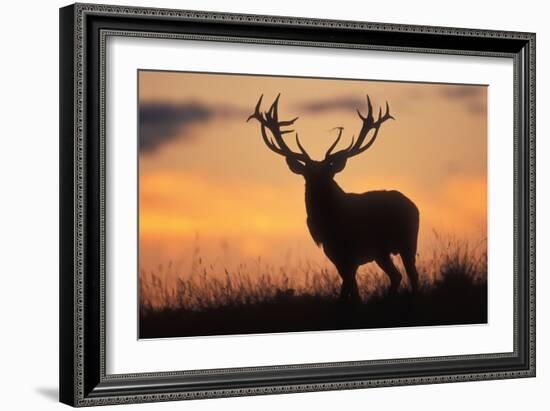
x: 392, y: 292
x: 356, y: 300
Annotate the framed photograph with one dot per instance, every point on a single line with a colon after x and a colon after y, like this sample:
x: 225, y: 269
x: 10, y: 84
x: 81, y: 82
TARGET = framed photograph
x: 260, y: 204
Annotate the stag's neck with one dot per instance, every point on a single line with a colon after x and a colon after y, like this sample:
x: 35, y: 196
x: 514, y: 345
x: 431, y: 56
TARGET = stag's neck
x: 323, y: 198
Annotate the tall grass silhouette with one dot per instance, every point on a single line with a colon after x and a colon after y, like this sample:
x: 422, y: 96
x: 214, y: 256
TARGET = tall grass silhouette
x: 258, y: 297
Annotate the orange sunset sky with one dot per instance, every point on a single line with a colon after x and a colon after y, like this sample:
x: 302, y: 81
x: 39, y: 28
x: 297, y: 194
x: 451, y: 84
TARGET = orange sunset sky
x: 209, y: 187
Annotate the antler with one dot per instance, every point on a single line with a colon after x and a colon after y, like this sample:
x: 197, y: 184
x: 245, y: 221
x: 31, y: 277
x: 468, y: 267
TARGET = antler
x: 270, y: 120
x: 329, y: 151
x: 368, y: 125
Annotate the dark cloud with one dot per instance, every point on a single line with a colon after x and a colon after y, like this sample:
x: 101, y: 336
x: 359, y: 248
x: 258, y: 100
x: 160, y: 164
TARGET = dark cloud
x: 477, y: 107
x: 339, y: 103
x: 462, y: 92
x: 160, y: 123
x: 471, y: 96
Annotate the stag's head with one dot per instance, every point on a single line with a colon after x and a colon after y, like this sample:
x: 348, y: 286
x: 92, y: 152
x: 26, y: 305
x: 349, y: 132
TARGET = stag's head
x: 300, y: 162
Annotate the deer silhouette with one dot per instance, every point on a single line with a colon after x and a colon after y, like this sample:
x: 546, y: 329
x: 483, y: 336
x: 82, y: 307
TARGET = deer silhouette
x: 353, y: 229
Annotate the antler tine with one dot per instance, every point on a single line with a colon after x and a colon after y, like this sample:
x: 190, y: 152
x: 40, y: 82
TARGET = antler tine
x: 369, y: 107
x: 273, y: 111
x: 257, y: 115
x: 340, y: 130
x: 388, y: 115
x: 369, y: 118
x: 344, y: 152
x: 286, y: 123
x: 302, y: 149
x: 351, y: 144
x: 269, y: 142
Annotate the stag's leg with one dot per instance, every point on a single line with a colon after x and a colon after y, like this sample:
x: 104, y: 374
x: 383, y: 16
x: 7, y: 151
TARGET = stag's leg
x: 385, y: 263
x: 345, y: 289
x: 349, y: 283
x: 354, y: 293
x: 409, y: 261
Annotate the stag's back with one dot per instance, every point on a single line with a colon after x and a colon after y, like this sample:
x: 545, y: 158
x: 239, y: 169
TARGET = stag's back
x: 364, y: 225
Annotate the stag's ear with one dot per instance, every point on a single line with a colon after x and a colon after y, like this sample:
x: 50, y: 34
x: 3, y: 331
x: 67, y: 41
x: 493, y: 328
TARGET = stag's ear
x: 295, y: 166
x: 338, y: 164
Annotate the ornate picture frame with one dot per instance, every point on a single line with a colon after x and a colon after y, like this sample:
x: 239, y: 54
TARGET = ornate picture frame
x: 84, y: 32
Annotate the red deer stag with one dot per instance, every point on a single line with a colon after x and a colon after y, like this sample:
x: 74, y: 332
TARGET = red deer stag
x: 353, y: 229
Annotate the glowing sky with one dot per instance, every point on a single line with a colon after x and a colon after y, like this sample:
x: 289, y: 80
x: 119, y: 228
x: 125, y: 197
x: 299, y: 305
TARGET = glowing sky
x: 209, y: 185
